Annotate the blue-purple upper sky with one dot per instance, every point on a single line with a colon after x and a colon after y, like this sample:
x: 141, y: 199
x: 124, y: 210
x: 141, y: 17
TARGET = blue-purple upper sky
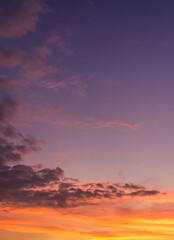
x: 94, y: 80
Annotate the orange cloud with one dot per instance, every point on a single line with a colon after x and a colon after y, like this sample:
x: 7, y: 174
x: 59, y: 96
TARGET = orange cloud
x: 105, y: 221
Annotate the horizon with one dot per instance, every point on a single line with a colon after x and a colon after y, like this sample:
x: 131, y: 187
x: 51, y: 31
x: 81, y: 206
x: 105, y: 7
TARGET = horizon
x: 86, y: 119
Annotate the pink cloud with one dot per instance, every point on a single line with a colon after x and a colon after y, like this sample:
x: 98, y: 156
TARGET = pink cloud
x: 43, y: 51
x: 75, y: 82
x: 36, y: 69
x: 10, y: 58
x: 90, y: 122
x: 5, y: 82
x: 18, y: 19
x: 55, y: 116
x: 60, y: 43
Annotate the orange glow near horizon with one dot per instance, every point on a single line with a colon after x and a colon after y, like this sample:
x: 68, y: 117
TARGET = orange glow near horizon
x: 133, y: 219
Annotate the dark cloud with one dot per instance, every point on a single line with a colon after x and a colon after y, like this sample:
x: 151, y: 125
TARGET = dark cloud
x: 132, y: 186
x: 144, y: 193
x: 20, y: 177
x: 13, y: 151
x: 22, y: 186
x: 19, y: 17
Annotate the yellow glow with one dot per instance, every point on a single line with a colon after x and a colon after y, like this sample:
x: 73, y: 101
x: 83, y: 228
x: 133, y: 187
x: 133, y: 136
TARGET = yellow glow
x: 132, y: 218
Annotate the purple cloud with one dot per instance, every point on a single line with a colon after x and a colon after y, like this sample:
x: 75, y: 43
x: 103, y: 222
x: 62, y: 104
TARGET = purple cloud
x: 10, y: 58
x: 6, y: 82
x: 21, y: 17
x: 13, y: 151
x: 22, y: 186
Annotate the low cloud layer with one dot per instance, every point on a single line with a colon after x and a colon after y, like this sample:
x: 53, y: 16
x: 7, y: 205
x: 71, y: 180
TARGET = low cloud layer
x: 27, y: 186
x: 22, y: 186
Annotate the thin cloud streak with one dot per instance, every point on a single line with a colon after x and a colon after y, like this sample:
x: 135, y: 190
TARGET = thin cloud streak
x: 56, y: 116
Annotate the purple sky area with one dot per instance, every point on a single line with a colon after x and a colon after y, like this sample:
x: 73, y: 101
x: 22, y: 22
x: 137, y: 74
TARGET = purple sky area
x: 93, y: 81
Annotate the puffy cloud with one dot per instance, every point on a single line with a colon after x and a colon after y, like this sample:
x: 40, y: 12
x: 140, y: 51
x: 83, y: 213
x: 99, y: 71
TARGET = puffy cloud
x: 20, y: 17
x: 22, y: 186
x: 25, y: 177
x: 13, y: 151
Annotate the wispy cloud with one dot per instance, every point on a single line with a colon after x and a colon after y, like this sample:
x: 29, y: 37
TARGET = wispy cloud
x: 10, y: 58
x: 5, y: 82
x: 60, y: 43
x: 35, y: 69
x: 90, y: 122
x: 43, y: 51
x: 43, y: 66
x: 56, y: 116
x: 71, y: 81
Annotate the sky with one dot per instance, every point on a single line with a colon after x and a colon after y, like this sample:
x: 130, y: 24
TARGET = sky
x: 86, y: 119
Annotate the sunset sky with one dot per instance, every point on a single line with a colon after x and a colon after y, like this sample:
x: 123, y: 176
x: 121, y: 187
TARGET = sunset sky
x: 86, y: 119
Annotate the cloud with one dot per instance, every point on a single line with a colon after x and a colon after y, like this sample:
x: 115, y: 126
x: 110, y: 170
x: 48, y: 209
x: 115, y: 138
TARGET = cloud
x: 13, y: 151
x: 8, y: 108
x: 42, y: 66
x: 10, y: 58
x: 38, y: 68
x: 22, y: 186
x: 58, y: 42
x: 54, y: 44
x: 35, y: 69
x: 20, y: 17
x: 75, y: 82
x: 56, y: 116
x: 90, y: 122
x: 43, y: 51
x: 6, y: 82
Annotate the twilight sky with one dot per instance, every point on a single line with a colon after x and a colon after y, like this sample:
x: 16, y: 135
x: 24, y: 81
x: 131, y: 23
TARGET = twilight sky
x: 86, y: 119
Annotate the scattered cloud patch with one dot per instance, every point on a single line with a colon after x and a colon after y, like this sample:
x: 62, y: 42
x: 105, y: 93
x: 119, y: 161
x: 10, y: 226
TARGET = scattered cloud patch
x: 10, y: 58
x: 6, y: 82
x: 56, y: 116
x: 13, y: 145
x: 20, y: 17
